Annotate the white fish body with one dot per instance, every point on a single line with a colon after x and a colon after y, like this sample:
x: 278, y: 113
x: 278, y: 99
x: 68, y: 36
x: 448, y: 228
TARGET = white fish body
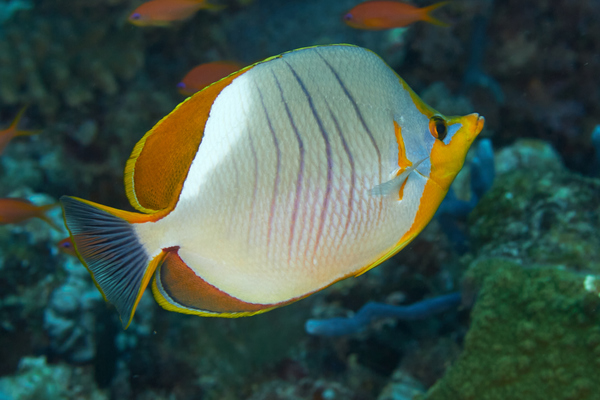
x: 313, y: 167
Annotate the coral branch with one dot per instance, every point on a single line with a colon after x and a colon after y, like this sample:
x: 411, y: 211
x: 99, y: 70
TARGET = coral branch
x: 373, y: 311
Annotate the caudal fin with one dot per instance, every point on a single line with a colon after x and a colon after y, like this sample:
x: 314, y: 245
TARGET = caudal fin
x: 208, y: 5
x: 213, y: 7
x: 426, y: 14
x: 18, y: 132
x: 108, y: 246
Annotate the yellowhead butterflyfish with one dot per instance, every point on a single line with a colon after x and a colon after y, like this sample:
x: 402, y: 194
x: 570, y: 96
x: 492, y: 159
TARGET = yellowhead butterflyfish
x: 271, y: 184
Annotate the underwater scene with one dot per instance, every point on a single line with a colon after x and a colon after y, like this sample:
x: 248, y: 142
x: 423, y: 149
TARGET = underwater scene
x: 299, y: 200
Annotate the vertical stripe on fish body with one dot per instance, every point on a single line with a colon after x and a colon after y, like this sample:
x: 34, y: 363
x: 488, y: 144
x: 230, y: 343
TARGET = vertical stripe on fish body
x: 271, y: 184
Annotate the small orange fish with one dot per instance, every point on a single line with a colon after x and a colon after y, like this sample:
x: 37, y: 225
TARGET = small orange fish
x: 205, y: 74
x: 13, y: 211
x: 67, y: 247
x: 379, y: 15
x: 165, y: 12
x: 12, y: 131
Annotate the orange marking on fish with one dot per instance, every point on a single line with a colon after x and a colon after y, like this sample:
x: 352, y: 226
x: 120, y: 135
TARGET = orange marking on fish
x: 188, y: 237
x: 387, y: 14
x: 152, y: 181
x: 12, y: 131
x: 403, y: 161
x: 13, y: 211
x: 182, y: 283
x: 166, y: 12
x: 204, y: 74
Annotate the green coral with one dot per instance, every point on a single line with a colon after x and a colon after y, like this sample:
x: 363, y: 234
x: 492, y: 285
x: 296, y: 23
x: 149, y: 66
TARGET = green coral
x: 540, y: 216
x: 37, y: 380
x: 535, y: 331
x: 534, y: 335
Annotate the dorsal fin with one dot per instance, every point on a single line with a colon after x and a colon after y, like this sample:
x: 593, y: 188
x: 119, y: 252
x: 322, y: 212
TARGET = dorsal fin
x: 159, y: 163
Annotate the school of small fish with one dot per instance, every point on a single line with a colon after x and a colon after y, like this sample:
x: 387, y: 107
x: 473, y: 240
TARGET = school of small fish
x: 14, y: 210
x: 281, y: 178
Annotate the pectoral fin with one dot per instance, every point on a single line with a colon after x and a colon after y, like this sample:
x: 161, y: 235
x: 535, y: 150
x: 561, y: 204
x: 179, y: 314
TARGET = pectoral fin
x: 393, y: 186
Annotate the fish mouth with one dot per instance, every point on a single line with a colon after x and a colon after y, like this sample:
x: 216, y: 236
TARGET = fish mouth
x: 473, y: 125
x: 480, y: 124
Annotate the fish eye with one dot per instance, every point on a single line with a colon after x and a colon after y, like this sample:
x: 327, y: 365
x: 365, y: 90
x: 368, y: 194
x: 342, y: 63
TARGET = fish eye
x: 438, y: 127
x: 181, y: 85
x: 135, y: 16
x: 347, y: 17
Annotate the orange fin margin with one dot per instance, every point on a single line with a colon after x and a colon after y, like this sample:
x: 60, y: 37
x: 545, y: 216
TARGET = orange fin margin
x: 177, y: 288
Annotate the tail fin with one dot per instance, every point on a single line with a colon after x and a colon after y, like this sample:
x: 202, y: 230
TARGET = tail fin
x: 20, y: 132
x: 206, y: 5
x: 426, y: 11
x: 13, y: 125
x: 108, y: 246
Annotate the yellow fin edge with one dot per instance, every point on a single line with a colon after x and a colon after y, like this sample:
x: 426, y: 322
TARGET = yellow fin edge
x: 164, y: 303
x: 156, y: 261
x: 139, y: 147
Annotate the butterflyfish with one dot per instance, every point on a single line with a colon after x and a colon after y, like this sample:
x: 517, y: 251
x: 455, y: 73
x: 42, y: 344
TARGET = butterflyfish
x: 378, y: 15
x: 203, y: 75
x: 271, y: 184
x: 12, y: 131
x: 166, y: 12
x: 13, y: 211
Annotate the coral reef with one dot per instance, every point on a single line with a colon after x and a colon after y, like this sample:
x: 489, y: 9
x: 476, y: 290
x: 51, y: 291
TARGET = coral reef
x: 539, y: 216
x: 534, y: 335
x: 36, y: 380
x: 69, y: 318
x: 9, y: 7
x: 56, y: 60
x: 534, y: 332
x: 402, y: 386
x: 96, y: 84
x: 528, y: 154
x: 29, y: 271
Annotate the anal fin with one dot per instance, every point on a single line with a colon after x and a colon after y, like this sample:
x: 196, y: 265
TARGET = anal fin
x: 176, y: 287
